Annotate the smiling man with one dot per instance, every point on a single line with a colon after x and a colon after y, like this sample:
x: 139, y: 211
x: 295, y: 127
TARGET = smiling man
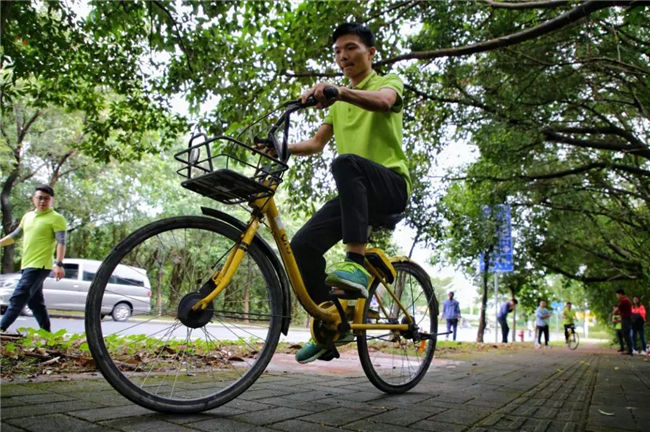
x: 44, y: 231
x: 370, y: 171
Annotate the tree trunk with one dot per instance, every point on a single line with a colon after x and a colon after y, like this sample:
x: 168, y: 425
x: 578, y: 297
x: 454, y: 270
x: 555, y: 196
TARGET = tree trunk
x: 481, y: 322
x: 7, y: 221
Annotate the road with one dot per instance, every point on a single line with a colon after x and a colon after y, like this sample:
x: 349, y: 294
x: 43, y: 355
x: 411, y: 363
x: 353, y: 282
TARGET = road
x: 160, y: 327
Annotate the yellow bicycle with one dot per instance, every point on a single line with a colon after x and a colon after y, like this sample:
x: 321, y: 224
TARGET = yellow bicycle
x: 223, y: 296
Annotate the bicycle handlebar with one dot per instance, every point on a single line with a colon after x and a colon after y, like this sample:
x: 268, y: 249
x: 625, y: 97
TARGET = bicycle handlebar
x: 282, y: 149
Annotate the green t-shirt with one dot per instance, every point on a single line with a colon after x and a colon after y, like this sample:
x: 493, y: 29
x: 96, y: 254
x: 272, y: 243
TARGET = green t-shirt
x: 569, y: 316
x: 38, y: 237
x: 376, y: 136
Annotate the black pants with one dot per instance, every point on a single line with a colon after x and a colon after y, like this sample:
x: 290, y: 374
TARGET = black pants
x: 29, y: 291
x: 566, y: 331
x: 627, y: 326
x: 365, y: 188
x: 504, y: 329
x: 544, y: 330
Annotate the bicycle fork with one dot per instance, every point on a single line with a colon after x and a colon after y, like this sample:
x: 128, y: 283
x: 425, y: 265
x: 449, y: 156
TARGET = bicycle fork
x: 220, y: 279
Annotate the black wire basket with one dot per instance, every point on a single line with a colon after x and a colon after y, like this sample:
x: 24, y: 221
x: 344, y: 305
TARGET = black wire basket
x: 228, y: 170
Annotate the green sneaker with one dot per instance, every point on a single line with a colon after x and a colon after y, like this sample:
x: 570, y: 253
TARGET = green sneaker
x: 310, y: 352
x: 349, y: 277
x: 313, y: 350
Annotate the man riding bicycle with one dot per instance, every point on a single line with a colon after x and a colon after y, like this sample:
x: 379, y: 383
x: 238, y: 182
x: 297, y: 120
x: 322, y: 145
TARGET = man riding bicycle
x: 370, y: 171
x: 569, y: 320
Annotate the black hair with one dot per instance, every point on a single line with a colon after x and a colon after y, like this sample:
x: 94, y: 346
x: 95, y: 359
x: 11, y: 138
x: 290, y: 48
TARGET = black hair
x: 515, y: 301
x: 620, y: 291
x: 568, y: 303
x: 45, y: 188
x: 366, y: 35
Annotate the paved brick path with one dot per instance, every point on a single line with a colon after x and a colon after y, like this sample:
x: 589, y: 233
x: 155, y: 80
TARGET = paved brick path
x: 550, y: 390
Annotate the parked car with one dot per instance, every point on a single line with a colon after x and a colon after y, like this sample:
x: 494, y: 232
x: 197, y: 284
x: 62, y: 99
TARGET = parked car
x: 128, y: 292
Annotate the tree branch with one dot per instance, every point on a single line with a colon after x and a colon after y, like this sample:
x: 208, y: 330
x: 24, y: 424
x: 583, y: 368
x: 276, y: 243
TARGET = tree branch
x: 639, y: 150
x: 527, y: 4
x: 590, y: 279
x: 581, y: 11
x: 611, y: 130
x: 178, y: 34
x: 390, y: 9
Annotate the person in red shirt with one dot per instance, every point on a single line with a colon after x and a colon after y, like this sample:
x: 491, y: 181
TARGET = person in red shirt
x: 638, y: 322
x: 625, y: 311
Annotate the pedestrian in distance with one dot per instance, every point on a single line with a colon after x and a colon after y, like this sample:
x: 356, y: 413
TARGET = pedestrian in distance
x: 44, y: 232
x: 451, y: 312
x: 542, y: 316
x: 625, y: 311
x: 502, y: 315
x: 638, y: 319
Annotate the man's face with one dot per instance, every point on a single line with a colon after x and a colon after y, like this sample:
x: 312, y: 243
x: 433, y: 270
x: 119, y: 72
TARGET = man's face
x: 542, y: 304
x: 568, y: 305
x: 450, y: 295
x: 353, y: 56
x: 42, y: 200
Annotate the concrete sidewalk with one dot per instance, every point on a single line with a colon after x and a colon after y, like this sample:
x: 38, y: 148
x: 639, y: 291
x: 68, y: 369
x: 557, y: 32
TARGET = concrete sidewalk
x: 544, y: 390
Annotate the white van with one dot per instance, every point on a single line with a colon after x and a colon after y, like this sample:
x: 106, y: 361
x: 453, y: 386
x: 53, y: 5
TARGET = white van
x: 127, y: 293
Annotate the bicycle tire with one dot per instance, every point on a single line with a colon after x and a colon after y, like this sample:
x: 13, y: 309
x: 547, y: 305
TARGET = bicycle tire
x: 395, y: 362
x: 574, y: 340
x: 207, y: 373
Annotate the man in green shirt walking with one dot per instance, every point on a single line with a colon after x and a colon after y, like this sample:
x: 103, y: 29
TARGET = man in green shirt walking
x: 370, y: 171
x: 44, y: 231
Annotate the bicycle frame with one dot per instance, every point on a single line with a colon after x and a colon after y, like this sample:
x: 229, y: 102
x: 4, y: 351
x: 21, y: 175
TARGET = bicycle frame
x: 266, y: 208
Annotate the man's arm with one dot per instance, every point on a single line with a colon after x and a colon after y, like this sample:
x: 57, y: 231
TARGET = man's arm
x: 381, y: 100
x: 10, y: 238
x: 315, y: 144
x: 59, y: 272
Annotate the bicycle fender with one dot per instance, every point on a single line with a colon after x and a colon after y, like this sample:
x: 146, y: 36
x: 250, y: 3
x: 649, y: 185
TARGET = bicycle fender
x: 275, y: 262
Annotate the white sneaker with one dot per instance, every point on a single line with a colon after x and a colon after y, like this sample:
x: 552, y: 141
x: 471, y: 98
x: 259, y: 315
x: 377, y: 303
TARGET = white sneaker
x: 635, y: 352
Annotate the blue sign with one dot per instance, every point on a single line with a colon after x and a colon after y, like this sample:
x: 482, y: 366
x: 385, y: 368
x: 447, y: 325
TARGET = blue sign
x: 558, y: 306
x: 501, y: 257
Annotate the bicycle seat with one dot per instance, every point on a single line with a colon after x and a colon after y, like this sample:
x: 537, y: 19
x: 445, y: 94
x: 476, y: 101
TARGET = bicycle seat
x: 385, y: 221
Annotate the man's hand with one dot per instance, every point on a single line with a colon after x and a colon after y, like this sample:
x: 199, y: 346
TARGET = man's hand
x: 6, y: 241
x: 58, y: 272
x: 317, y: 92
x: 265, y: 147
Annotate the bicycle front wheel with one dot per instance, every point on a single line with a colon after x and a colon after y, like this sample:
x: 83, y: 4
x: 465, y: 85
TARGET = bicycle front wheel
x: 395, y: 361
x: 167, y: 357
x: 574, y: 340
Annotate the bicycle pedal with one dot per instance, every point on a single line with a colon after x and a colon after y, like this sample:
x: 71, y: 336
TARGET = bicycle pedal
x: 344, y: 295
x: 330, y: 355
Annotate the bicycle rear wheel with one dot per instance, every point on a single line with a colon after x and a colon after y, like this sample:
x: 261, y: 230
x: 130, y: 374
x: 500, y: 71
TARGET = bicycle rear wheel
x: 396, y: 361
x: 171, y: 359
x: 574, y: 340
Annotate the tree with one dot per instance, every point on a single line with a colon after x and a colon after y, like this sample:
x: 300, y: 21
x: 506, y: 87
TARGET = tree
x: 51, y: 62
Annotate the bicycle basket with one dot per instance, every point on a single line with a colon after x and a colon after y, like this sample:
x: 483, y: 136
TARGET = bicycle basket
x: 228, y: 170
